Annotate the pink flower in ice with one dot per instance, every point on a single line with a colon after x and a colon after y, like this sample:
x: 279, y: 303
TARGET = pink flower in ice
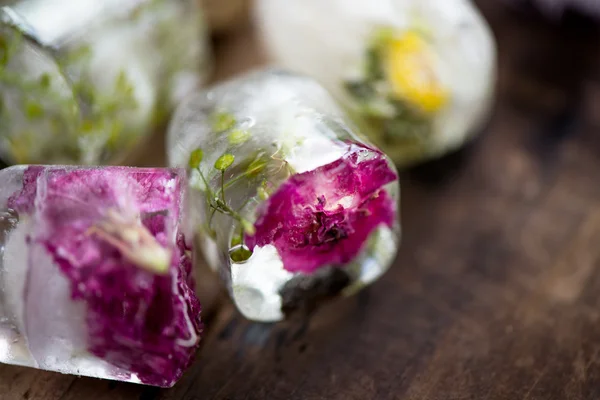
x: 113, y: 234
x: 325, y: 216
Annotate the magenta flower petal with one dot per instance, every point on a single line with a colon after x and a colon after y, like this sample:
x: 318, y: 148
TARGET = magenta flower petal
x: 324, y: 216
x: 23, y: 201
x: 95, y: 224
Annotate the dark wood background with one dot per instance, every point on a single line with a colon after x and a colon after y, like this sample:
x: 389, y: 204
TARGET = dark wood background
x: 496, y: 291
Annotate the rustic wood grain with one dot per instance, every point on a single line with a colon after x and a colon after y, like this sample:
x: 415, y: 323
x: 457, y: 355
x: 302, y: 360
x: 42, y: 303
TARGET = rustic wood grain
x: 496, y: 291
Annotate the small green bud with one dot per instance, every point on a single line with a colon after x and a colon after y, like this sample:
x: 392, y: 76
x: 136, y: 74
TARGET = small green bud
x: 45, y: 80
x: 240, y: 254
x: 87, y: 126
x: 223, y: 121
x: 224, y: 161
x: 238, y: 136
x: 33, y: 110
x: 196, y: 158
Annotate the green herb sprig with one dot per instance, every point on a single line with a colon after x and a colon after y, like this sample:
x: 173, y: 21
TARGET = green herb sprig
x: 217, y: 200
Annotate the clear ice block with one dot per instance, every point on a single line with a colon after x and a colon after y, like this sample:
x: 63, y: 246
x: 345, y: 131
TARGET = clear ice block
x: 418, y: 76
x: 95, y: 275
x: 86, y: 81
x: 292, y: 206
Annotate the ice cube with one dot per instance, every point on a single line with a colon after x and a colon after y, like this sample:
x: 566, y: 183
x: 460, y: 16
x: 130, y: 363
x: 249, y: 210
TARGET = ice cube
x: 94, y: 273
x: 86, y: 81
x: 417, y: 75
x: 293, y: 205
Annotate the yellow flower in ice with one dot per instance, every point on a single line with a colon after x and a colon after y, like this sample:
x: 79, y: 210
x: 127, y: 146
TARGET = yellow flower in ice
x: 409, y: 66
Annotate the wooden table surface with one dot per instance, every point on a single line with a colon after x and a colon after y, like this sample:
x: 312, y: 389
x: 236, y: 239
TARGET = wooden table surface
x: 496, y: 291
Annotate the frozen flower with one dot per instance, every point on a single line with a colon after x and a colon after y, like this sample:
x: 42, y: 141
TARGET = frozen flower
x: 324, y: 216
x: 113, y: 233
x: 295, y: 210
x: 417, y: 76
